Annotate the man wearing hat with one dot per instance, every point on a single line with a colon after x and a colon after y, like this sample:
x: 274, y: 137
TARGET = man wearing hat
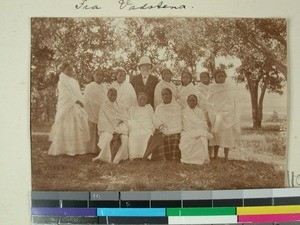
x: 145, y: 82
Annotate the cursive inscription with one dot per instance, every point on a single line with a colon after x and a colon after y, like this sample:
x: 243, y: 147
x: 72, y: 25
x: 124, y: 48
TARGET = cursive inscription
x: 161, y: 5
x: 84, y: 5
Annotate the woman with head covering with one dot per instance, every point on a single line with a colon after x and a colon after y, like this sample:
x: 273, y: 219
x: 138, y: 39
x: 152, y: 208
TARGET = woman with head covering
x: 193, y: 142
x: 203, y: 89
x: 168, y: 118
x: 164, y: 83
x: 187, y: 88
x: 95, y: 94
x: 204, y: 82
x: 126, y: 94
x: 140, y: 126
x: 223, y: 114
x: 70, y: 132
x: 111, y: 125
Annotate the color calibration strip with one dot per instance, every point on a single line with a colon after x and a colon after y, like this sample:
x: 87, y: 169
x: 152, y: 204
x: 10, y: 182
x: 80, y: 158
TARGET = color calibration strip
x: 167, y: 207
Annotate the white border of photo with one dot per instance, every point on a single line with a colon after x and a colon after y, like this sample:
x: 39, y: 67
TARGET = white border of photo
x: 15, y: 38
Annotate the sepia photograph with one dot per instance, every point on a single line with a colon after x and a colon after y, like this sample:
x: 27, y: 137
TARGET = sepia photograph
x: 145, y: 104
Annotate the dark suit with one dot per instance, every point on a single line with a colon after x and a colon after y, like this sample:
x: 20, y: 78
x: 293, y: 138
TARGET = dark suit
x: 138, y: 85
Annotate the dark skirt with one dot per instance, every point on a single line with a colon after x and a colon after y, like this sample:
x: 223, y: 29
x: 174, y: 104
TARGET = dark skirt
x: 171, y: 147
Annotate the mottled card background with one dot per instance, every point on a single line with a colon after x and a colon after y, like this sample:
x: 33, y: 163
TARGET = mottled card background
x: 15, y: 73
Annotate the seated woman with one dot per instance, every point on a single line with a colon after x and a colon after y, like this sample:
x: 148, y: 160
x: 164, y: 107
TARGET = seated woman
x: 164, y: 83
x: 111, y: 126
x: 168, y: 118
x: 95, y: 94
x: 126, y: 93
x: 140, y: 126
x: 187, y: 88
x: 193, y: 143
x: 70, y: 132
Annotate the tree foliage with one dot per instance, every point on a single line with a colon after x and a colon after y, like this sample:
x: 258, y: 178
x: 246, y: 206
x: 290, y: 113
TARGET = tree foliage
x: 90, y: 43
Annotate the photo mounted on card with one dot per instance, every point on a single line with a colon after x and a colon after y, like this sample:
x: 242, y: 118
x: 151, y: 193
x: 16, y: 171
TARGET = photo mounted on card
x: 145, y: 104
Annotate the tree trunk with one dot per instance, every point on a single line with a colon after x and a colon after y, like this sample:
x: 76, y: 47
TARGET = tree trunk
x: 256, y: 114
x: 212, y: 64
x: 261, y: 99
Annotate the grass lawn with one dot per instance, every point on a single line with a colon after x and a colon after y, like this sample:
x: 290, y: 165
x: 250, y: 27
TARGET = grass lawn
x: 255, y: 163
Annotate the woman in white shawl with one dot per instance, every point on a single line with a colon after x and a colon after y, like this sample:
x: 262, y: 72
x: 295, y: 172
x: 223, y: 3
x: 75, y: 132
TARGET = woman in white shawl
x: 140, y: 126
x: 164, y: 83
x: 193, y: 143
x: 186, y: 89
x: 126, y: 93
x: 94, y: 95
x: 223, y: 114
x: 204, y: 83
x: 203, y: 90
x: 168, y: 119
x: 70, y: 132
x: 111, y: 124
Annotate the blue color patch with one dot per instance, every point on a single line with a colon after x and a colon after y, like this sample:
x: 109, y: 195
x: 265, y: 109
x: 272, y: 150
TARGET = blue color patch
x: 133, y: 212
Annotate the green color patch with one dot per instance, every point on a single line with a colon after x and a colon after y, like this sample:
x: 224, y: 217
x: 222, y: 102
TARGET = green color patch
x: 216, y: 211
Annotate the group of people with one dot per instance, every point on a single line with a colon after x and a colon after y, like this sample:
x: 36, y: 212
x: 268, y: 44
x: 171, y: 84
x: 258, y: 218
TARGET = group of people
x: 118, y: 122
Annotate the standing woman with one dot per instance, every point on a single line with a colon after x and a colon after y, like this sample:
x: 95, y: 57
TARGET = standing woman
x: 70, y: 132
x: 164, y: 83
x: 126, y: 94
x: 95, y: 94
x: 223, y: 114
x: 186, y: 89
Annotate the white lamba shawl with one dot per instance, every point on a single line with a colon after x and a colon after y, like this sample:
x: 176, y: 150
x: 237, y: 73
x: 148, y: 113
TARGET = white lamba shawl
x: 140, y: 129
x: 193, y: 143
x: 159, y: 87
x: 202, y: 96
x: 70, y: 131
x: 222, y: 108
x: 111, y: 117
x: 184, y: 92
x: 126, y: 94
x: 68, y: 93
x: 111, y: 120
x: 94, y: 96
x: 203, y: 89
x: 170, y: 116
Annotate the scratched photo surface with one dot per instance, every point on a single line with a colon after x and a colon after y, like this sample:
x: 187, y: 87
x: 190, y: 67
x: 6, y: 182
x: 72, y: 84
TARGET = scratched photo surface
x: 83, y: 141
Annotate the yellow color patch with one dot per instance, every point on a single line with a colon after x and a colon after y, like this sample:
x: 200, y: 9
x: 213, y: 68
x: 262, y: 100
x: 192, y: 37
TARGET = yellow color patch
x: 257, y: 210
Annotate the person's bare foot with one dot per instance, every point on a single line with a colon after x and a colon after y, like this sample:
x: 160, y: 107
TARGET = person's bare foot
x: 96, y: 159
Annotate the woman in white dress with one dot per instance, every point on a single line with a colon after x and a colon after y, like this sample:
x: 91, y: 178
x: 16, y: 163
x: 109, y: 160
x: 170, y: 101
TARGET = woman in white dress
x: 140, y: 126
x: 126, y: 93
x: 193, y: 143
x: 95, y: 94
x: 223, y: 114
x: 186, y: 89
x: 111, y: 126
x: 168, y: 119
x: 70, y: 131
x: 164, y: 83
